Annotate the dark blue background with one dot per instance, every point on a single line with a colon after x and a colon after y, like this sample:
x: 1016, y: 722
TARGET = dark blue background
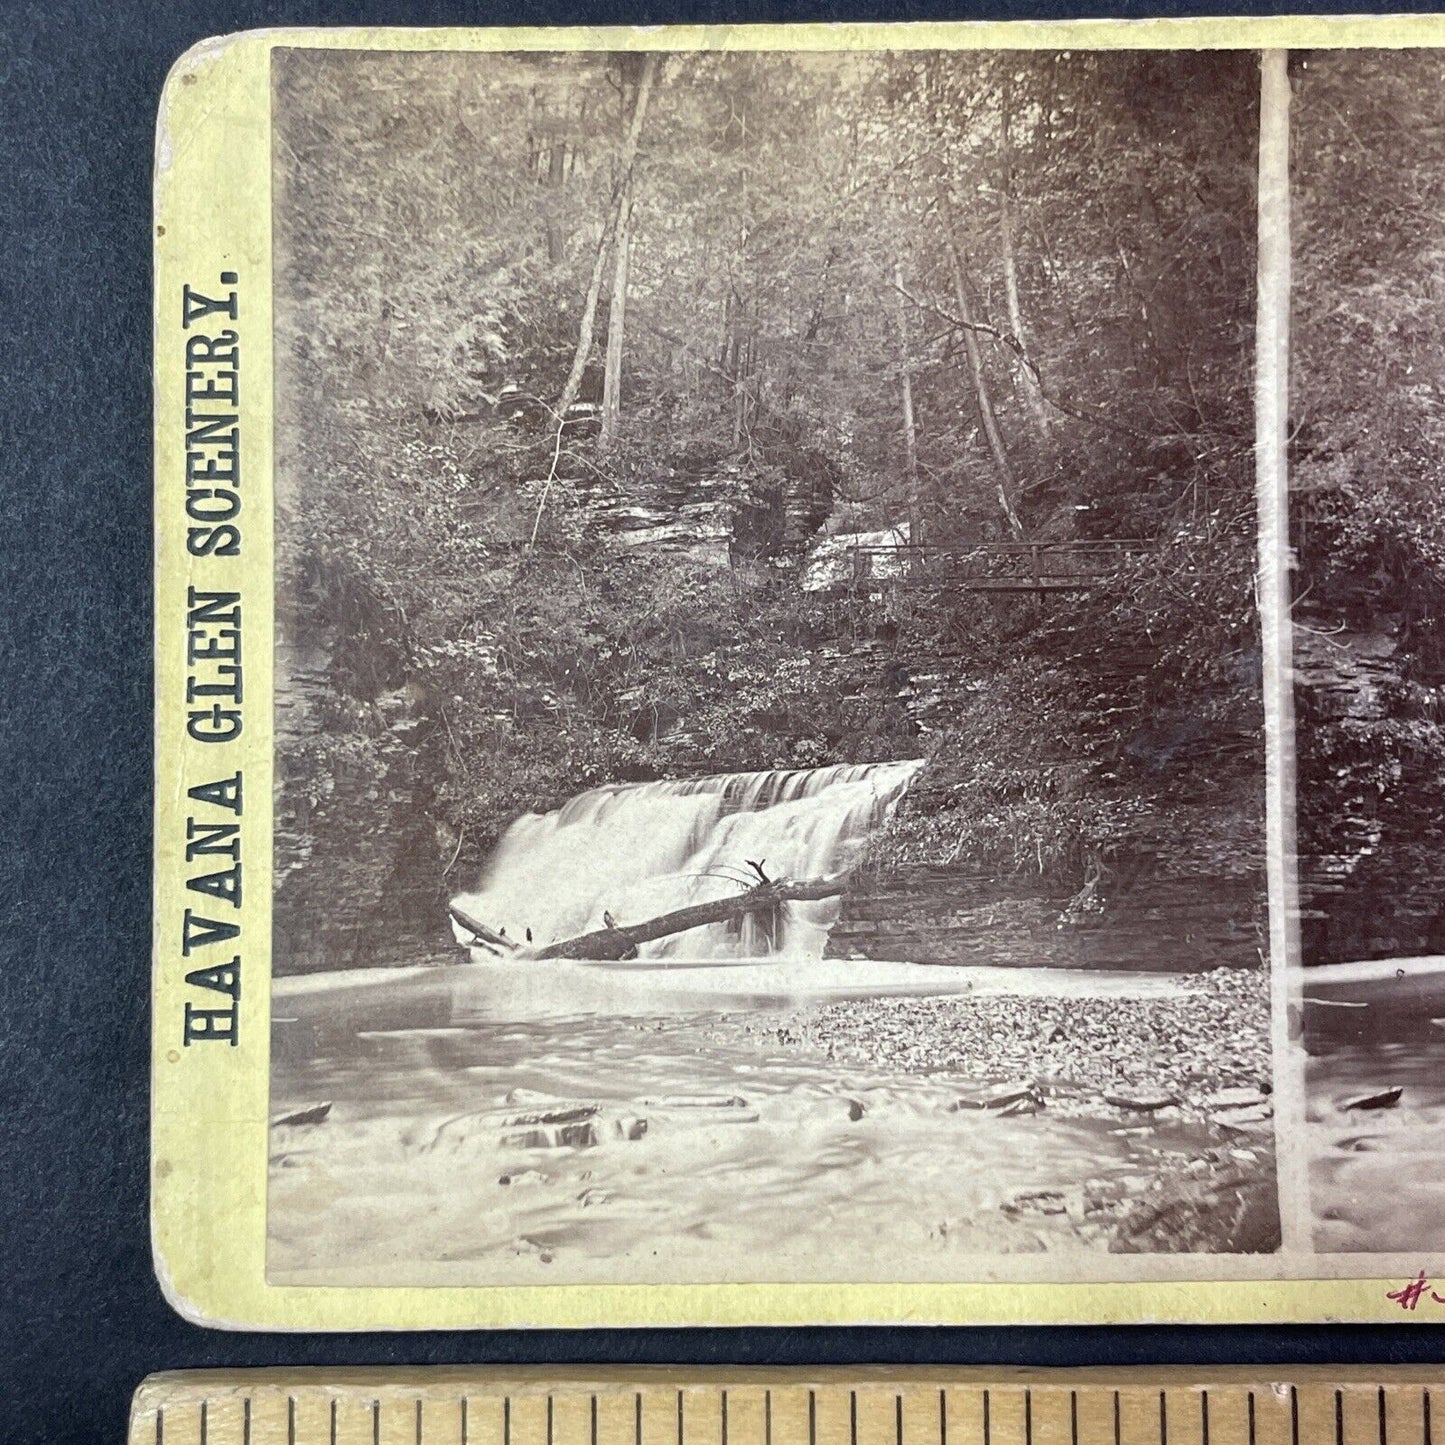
x: 81, y: 1318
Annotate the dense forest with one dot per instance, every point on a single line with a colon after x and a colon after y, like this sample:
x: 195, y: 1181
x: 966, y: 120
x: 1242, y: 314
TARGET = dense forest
x: 583, y: 359
x: 1368, y: 436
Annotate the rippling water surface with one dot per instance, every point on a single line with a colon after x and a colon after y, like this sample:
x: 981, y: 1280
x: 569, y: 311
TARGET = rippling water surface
x: 542, y: 1124
x: 1376, y: 1181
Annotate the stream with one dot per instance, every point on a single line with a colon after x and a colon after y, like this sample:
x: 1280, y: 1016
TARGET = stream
x: 516, y: 1119
x: 1375, y: 1178
x: 517, y: 1123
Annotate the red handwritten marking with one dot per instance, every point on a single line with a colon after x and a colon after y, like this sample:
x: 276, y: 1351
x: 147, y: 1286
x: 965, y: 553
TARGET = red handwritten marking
x: 1409, y: 1295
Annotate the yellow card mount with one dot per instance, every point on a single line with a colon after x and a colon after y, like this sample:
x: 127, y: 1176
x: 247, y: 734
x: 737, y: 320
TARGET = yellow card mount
x: 681, y: 1406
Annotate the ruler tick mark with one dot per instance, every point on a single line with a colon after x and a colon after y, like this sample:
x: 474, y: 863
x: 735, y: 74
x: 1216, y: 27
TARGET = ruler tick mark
x: 1315, y: 1395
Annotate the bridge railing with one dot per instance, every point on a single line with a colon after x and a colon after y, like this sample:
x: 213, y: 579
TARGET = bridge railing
x: 995, y: 566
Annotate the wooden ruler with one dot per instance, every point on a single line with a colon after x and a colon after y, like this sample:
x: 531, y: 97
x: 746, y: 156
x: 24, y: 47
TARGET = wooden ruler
x: 875, y: 1406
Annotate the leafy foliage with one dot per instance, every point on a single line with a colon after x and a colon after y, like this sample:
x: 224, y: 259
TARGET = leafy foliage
x: 1368, y: 424
x: 485, y: 613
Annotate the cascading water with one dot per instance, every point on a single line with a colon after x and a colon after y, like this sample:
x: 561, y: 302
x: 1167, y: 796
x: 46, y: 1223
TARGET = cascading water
x: 633, y: 851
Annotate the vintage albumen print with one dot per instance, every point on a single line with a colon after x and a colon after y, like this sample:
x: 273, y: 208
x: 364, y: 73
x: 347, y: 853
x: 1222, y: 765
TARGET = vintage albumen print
x: 1368, y: 423
x: 768, y: 714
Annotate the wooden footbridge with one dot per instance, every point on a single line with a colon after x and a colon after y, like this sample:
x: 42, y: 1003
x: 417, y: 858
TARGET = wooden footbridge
x: 1036, y: 567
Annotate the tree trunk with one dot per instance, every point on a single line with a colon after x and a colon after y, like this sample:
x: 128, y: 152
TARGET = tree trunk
x: 556, y: 177
x: 910, y: 435
x: 740, y: 368
x: 1024, y: 376
x: 623, y: 942
x: 621, y: 188
x: 740, y: 352
x: 1007, y: 482
x: 616, y: 319
x: 481, y: 934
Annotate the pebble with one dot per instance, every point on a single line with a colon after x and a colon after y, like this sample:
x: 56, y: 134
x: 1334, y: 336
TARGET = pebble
x: 1386, y: 1099
x: 1203, y: 1050
x: 1002, y: 1096
x: 1021, y: 1107
x: 1363, y: 1144
x: 1038, y: 1201
x: 697, y: 1101
x: 1244, y: 1119
x: 1142, y: 1103
x: 574, y: 1115
x: 316, y: 1114
x: 523, y: 1179
x: 553, y: 1136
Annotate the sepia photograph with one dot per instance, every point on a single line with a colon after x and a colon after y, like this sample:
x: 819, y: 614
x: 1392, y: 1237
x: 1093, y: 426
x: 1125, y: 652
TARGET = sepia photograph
x: 769, y: 728
x: 1367, y: 430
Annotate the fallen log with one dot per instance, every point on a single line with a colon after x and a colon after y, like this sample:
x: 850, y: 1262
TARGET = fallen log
x: 481, y: 934
x: 622, y: 941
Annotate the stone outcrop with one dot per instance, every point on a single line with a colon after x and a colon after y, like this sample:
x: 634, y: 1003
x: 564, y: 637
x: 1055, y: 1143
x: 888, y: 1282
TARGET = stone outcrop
x: 355, y: 882
x: 672, y: 510
x: 1370, y: 870
x: 927, y: 914
x: 718, y: 513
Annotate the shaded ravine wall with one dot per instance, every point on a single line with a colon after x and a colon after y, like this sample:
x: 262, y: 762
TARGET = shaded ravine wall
x: 361, y: 879
x: 372, y: 893
x: 363, y: 874
x: 356, y: 881
x: 1371, y: 863
x: 926, y: 914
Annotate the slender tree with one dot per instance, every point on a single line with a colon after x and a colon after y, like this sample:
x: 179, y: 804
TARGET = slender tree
x: 910, y: 431
x: 616, y: 323
x: 1025, y: 377
x: 610, y: 231
x: 1007, y: 481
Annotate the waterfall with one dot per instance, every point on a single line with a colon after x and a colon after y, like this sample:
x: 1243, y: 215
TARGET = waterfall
x: 637, y: 850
